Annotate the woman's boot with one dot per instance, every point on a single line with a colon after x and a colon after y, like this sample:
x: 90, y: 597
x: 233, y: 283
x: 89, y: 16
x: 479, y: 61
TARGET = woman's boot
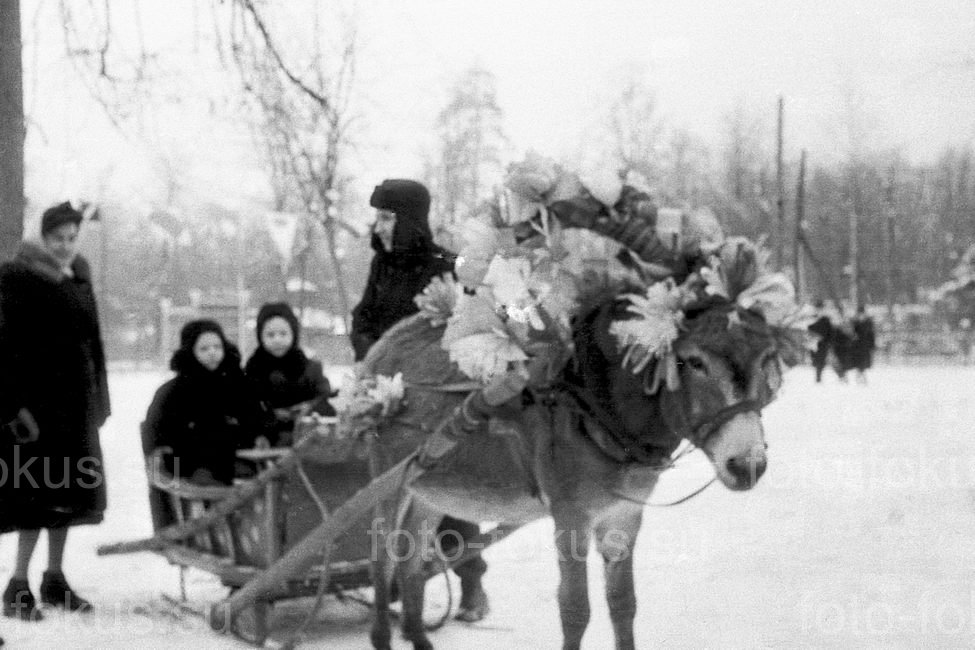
x: 19, y: 602
x: 56, y: 591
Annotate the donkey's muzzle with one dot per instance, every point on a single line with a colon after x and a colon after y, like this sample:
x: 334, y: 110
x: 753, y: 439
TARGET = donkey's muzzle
x: 746, y: 470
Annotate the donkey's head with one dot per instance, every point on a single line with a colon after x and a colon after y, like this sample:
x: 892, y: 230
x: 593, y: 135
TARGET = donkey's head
x: 729, y: 368
x: 724, y: 366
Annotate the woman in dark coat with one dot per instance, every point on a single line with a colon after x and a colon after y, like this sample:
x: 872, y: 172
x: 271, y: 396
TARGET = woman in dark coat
x: 285, y: 379
x: 53, y: 385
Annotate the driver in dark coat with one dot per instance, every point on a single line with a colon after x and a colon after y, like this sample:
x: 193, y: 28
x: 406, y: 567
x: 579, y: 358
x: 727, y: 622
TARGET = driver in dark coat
x: 406, y: 259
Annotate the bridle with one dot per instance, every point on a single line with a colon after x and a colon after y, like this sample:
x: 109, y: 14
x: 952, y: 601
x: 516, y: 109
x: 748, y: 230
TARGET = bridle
x: 617, y: 445
x: 703, y: 430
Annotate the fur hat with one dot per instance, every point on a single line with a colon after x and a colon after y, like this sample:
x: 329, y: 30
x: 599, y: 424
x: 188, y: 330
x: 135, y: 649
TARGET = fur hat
x: 280, y: 310
x: 58, y: 215
x: 402, y: 196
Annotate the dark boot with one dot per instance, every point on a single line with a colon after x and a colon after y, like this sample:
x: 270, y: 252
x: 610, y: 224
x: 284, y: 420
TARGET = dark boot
x: 19, y: 602
x: 474, y: 604
x: 56, y: 591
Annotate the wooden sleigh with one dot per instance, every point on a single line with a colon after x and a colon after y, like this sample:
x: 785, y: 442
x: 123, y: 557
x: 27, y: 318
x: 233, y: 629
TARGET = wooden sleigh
x: 299, y: 528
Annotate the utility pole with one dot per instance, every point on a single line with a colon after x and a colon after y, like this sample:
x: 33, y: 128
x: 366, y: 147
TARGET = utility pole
x: 854, y: 259
x: 780, y: 190
x: 800, y: 225
x: 891, y: 256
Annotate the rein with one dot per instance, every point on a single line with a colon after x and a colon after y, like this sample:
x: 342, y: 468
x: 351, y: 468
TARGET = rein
x: 618, y: 447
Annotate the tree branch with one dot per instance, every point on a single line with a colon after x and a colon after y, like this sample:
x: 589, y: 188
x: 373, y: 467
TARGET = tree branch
x: 320, y: 99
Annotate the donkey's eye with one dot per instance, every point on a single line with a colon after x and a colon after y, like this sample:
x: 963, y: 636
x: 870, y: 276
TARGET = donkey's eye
x: 697, y: 364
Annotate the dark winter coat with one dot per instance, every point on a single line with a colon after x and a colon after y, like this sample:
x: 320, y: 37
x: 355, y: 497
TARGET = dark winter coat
x: 285, y: 382
x: 52, y: 363
x: 822, y: 327
x: 397, y: 276
x: 204, y: 416
x: 865, y: 342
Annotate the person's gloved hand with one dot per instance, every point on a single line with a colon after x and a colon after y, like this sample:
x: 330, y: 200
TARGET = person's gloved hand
x: 23, y: 428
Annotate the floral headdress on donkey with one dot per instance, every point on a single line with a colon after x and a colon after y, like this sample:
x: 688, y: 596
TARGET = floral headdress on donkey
x: 528, y: 281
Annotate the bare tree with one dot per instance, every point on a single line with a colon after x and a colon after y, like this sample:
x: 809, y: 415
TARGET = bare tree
x: 471, y: 147
x: 301, y: 121
x: 11, y: 129
x: 636, y: 132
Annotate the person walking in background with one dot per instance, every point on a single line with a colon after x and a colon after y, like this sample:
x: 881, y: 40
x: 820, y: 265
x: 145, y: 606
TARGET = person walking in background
x: 822, y: 327
x: 285, y: 379
x: 406, y: 259
x: 864, y: 343
x: 965, y: 339
x: 53, y: 400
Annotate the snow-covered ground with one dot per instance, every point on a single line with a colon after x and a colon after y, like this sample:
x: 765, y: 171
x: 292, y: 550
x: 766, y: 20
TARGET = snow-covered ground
x: 861, y: 534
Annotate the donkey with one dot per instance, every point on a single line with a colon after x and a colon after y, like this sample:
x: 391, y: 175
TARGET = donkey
x: 587, y: 449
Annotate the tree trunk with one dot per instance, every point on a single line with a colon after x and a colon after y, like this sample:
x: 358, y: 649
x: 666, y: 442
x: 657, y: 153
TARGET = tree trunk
x: 11, y: 129
x: 343, y: 295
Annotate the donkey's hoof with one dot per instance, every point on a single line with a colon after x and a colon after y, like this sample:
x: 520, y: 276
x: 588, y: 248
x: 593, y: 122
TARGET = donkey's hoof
x: 473, y: 614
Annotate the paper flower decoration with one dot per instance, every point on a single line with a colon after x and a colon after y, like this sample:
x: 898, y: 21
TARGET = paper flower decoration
x: 654, y: 327
x: 529, y: 185
x: 509, y: 281
x: 533, y: 178
x: 387, y: 392
x: 364, y: 400
x: 438, y: 299
x: 771, y: 295
x: 486, y: 355
x: 604, y: 183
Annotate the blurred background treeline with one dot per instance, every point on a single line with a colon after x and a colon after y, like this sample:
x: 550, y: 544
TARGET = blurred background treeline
x: 226, y: 151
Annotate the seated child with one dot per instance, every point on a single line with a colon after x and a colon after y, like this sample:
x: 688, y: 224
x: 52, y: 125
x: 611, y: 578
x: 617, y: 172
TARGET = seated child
x: 285, y: 379
x: 207, y: 411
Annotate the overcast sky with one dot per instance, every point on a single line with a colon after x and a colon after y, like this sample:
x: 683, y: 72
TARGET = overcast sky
x: 904, y: 70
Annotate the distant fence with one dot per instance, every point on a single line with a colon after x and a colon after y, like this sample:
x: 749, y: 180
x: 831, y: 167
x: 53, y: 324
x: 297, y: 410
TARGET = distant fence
x: 924, y: 346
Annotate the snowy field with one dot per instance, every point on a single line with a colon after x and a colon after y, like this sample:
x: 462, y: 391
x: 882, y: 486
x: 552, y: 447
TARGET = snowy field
x: 860, y: 535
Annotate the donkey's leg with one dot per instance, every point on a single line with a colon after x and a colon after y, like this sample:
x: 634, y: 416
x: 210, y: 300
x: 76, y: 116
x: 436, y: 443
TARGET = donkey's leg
x: 419, y: 531
x: 382, y: 568
x: 572, y: 545
x: 615, y: 540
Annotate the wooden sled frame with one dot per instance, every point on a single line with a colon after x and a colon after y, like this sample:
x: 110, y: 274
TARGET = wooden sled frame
x: 235, y: 533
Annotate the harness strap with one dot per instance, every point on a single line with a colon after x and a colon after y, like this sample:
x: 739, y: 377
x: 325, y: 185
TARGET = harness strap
x: 456, y: 387
x: 614, y: 443
x: 709, y: 426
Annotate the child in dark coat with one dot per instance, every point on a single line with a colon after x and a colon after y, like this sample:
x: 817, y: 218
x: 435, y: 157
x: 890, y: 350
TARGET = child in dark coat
x: 207, y: 412
x: 285, y: 379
